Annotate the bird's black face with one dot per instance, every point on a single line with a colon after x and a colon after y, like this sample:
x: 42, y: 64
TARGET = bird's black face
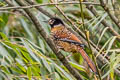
x: 54, y: 22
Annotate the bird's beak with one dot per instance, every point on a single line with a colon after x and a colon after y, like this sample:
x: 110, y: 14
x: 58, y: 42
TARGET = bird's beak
x: 46, y: 21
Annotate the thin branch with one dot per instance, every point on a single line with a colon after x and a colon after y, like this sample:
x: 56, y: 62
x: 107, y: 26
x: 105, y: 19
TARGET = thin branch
x: 20, y: 11
x: 46, y: 4
x: 113, y: 18
x: 88, y: 41
x: 32, y: 2
x: 9, y: 2
x: 50, y: 42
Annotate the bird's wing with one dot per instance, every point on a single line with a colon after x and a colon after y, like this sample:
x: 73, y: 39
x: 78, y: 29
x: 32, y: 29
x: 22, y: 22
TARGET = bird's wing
x: 62, y: 32
x: 72, y: 42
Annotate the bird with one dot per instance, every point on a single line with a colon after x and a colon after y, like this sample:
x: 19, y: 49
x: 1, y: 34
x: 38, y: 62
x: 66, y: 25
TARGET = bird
x: 64, y: 39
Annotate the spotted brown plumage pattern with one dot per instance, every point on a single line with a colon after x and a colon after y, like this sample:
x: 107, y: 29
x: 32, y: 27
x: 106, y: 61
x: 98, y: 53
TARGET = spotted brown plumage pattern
x: 67, y: 41
x: 61, y: 32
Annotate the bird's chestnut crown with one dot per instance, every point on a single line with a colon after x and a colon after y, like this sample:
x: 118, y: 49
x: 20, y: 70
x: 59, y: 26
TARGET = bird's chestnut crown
x: 55, y: 21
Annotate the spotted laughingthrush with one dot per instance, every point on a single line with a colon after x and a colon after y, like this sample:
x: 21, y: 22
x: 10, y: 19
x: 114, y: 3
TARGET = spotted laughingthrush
x: 67, y: 41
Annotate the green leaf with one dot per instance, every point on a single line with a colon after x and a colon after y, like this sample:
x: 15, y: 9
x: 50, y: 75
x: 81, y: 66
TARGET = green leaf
x: 39, y: 1
x: 35, y: 70
x: 110, y: 44
x: 46, y: 65
x: 4, y: 18
x: 4, y: 36
x: 26, y: 28
x: 30, y: 51
x: 29, y: 73
x: 21, y: 67
x: 81, y: 68
x: 107, y: 42
x: 26, y: 55
x: 57, y: 77
x: 2, y: 4
x: 102, y: 35
x: 1, y: 20
x: 64, y: 72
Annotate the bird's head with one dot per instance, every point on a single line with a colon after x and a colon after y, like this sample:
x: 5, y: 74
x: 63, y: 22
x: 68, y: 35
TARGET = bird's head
x: 54, y: 22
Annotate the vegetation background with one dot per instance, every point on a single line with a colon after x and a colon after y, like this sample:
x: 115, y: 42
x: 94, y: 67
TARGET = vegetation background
x: 26, y: 52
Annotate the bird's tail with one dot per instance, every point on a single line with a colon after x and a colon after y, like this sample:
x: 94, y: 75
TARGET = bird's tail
x: 88, y: 60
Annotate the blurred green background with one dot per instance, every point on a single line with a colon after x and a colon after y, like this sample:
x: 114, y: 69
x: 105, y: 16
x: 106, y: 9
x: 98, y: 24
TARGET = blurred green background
x: 25, y: 55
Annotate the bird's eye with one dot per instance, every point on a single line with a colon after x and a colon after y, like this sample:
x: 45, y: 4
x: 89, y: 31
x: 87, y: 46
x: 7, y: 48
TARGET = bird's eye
x: 51, y: 21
